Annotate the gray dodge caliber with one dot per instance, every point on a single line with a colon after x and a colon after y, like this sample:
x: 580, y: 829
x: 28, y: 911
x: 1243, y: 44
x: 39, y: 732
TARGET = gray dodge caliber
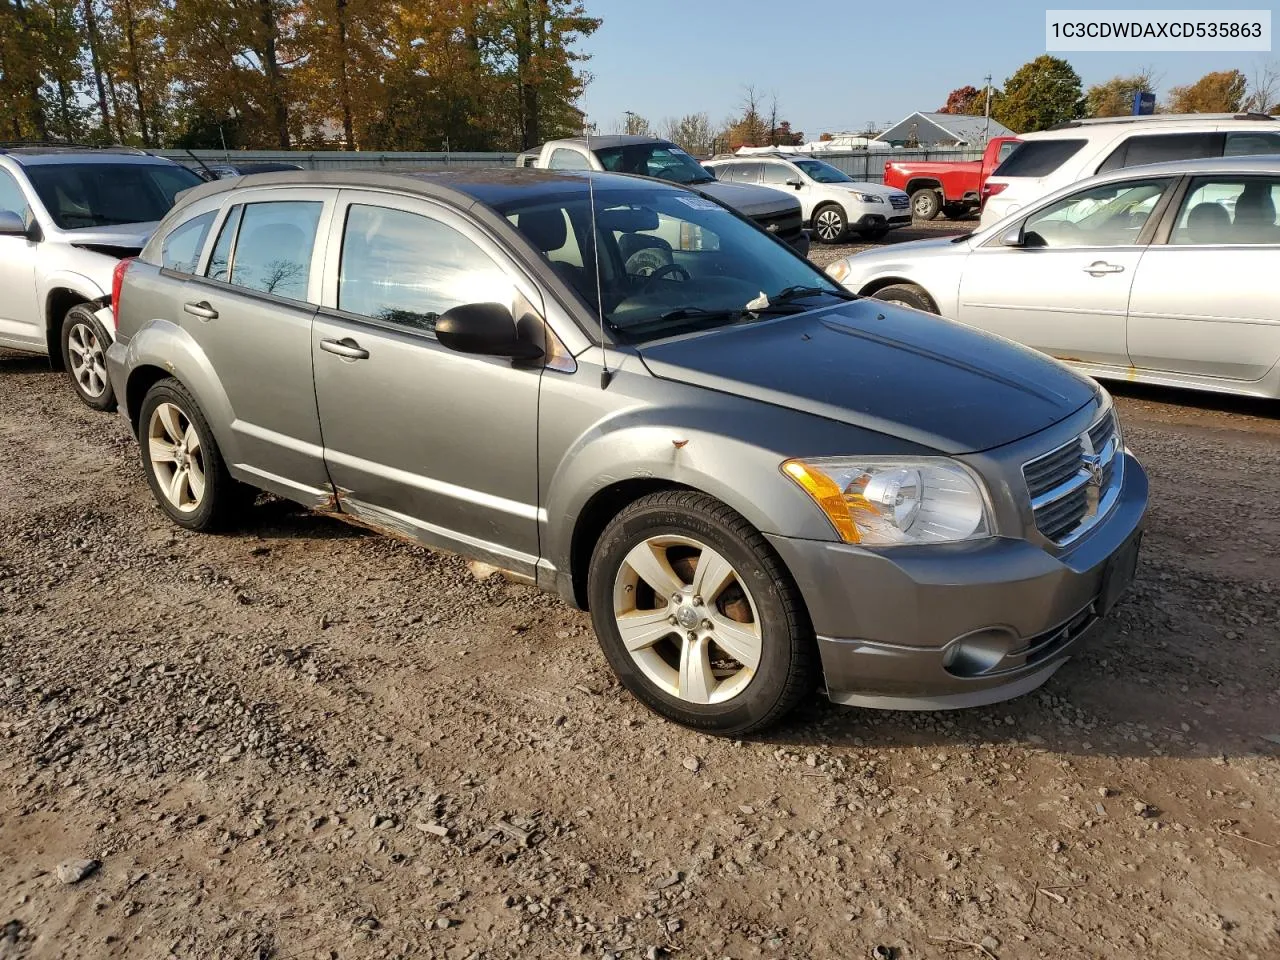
x: 619, y: 390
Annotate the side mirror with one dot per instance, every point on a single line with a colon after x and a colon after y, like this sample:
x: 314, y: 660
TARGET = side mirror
x: 1014, y: 236
x: 487, y: 329
x: 12, y: 225
x: 795, y: 182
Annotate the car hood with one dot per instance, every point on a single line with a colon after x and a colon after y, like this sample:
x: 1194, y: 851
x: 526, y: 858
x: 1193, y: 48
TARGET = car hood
x: 891, y: 370
x: 747, y: 199
x: 875, y: 189
x: 124, y: 235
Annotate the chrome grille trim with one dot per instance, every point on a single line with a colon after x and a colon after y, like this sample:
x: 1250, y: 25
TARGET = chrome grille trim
x: 1076, y: 484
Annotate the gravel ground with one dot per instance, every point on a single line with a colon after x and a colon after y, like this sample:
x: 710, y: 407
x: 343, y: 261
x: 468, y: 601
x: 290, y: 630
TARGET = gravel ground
x: 304, y: 741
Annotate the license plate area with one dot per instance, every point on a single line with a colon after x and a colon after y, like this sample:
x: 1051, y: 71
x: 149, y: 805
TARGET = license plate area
x: 1121, y: 570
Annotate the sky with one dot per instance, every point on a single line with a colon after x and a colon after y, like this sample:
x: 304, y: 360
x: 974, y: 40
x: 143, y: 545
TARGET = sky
x: 838, y: 64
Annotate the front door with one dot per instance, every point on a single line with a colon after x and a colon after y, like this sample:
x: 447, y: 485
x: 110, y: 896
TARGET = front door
x: 251, y: 312
x: 21, y: 324
x: 1205, y: 303
x: 420, y: 440
x: 1065, y: 290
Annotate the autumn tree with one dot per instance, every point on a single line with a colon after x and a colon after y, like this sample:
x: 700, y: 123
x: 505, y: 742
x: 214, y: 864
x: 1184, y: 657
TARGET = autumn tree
x: 1040, y: 94
x: 1115, y: 97
x: 693, y: 132
x: 966, y: 100
x: 1222, y: 91
x: 635, y: 125
x: 22, y: 105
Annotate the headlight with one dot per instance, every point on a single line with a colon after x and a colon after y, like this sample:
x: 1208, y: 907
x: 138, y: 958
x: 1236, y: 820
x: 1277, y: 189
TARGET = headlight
x: 838, y: 271
x: 873, y: 500
x: 869, y: 198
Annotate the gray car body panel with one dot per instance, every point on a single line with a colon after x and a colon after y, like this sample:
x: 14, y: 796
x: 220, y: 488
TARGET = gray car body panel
x: 516, y: 457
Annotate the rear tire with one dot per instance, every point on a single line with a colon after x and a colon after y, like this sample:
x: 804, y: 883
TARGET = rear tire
x: 84, y: 356
x: 182, y: 462
x: 925, y: 203
x: 733, y: 662
x: 829, y: 223
x: 907, y: 295
x: 955, y: 211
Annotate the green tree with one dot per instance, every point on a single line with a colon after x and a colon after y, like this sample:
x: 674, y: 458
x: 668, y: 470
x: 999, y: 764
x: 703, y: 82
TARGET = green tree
x: 1114, y: 98
x: 1039, y: 95
x: 635, y: 125
x: 1222, y: 91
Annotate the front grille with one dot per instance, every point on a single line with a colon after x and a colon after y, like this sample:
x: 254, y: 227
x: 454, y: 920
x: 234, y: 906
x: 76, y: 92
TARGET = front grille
x: 899, y: 201
x: 784, y: 226
x: 1073, y: 486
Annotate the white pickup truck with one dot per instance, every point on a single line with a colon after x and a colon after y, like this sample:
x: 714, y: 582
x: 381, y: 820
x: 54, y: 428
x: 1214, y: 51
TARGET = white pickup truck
x: 663, y: 160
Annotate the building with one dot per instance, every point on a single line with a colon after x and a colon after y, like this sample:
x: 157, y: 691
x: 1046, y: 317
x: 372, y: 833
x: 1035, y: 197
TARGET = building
x: 943, y: 130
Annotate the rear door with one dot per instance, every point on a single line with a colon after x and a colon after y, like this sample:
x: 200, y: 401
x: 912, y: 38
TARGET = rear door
x: 1204, y: 302
x: 421, y: 440
x: 21, y: 324
x: 1066, y: 291
x: 250, y: 311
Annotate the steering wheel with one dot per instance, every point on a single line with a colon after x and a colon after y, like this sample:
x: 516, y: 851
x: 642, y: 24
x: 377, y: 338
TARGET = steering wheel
x: 665, y: 269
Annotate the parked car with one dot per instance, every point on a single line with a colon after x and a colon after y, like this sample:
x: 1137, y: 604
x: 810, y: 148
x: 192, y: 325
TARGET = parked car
x: 950, y: 187
x: 1160, y: 274
x: 663, y: 160
x: 67, y: 216
x: 685, y: 453
x: 833, y: 203
x: 221, y: 170
x: 1051, y: 159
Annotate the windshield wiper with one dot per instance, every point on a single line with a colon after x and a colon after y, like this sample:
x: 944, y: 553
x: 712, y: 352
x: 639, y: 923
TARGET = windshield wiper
x: 673, y: 319
x: 800, y: 291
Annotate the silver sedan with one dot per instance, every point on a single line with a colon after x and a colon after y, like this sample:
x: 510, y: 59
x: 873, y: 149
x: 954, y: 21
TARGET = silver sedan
x: 1160, y: 274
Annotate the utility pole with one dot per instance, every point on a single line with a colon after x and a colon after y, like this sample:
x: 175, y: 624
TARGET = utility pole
x: 986, y: 133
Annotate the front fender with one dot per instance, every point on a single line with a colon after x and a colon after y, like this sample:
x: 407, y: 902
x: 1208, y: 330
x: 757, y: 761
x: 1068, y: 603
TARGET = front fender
x: 82, y: 286
x: 164, y: 345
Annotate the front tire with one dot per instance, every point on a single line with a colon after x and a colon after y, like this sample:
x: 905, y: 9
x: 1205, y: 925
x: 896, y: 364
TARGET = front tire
x: 925, y: 203
x: 698, y: 617
x: 183, y: 464
x: 829, y: 224
x: 84, y: 357
x: 908, y: 295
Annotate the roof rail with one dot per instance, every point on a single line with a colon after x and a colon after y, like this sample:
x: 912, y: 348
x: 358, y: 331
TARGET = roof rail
x: 1162, y: 117
x: 33, y: 145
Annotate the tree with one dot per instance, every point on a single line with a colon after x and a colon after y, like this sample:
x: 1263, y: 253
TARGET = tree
x: 783, y: 136
x: 1264, y: 91
x: 635, y: 125
x: 1114, y: 98
x: 967, y: 100
x: 1039, y: 95
x: 692, y: 132
x: 751, y: 129
x: 1222, y: 91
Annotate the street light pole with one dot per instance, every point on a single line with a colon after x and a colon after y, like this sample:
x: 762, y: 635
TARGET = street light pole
x: 986, y: 133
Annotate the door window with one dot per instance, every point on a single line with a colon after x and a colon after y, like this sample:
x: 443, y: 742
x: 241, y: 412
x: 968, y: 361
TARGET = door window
x: 562, y: 159
x: 1107, y: 216
x: 407, y: 269
x: 1252, y: 144
x: 778, y: 173
x: 267, y: 247
x: 182, y: 247
x: 1162, y: 147
x: 742, y: 173
x: 11, y: 197
x: 1229, y: 210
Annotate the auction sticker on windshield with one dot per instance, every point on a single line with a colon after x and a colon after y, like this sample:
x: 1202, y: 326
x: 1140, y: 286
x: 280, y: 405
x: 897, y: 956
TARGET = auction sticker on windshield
x: 698, y: 203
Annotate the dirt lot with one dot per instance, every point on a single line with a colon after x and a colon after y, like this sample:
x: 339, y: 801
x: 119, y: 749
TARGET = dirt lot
x: 304, y: 741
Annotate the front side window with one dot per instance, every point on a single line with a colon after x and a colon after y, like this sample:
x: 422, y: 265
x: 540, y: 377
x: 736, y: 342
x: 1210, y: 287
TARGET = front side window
x: 1038, y: 158
x: 1229, y: 210
x: 562, y: 159
x: 267, y: 247
x: 1108, y: 216
x: 408, y: 269
x: 182, y: 247
x: 11, y: 197
x: 79, y: 195
x: 669, y: 261
x: 823, y: 172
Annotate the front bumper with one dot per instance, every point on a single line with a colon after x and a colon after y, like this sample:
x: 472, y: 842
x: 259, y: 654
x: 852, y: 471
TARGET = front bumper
x: 881, y: 221
x: 960, y: 625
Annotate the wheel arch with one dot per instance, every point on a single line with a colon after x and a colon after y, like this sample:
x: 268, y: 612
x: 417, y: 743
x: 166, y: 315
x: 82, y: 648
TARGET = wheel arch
x: 924, y: 183
x: 63, y: 294
x: 872, y: 287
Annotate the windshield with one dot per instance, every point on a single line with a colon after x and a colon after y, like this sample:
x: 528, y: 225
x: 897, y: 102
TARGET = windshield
x: 822, y: 172
x: 670, y: 261
x: 665, y: 161
x: 79, y: 195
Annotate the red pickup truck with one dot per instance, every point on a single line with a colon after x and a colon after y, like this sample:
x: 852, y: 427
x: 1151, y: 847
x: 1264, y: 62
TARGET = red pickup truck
x: 952, y: 188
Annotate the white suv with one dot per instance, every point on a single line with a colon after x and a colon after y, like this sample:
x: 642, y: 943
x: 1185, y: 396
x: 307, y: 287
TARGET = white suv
x: 1051, y: 159
x: 67, y: 217
x: 833, y: 203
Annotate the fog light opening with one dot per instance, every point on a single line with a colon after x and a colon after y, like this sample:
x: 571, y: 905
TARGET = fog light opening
x: 979, y: 652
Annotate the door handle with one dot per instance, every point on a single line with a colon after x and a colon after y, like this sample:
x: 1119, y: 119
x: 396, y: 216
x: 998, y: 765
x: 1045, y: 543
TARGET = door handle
x: 201, y: 310
x: 1099, y: 267
x: 346, y: 348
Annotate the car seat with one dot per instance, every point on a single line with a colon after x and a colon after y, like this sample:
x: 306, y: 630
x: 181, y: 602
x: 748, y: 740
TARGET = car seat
x: 1255, y: 220
x: 1208, y: 222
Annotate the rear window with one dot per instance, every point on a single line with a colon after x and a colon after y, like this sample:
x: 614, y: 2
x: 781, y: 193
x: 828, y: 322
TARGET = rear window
x: 1038, y: 158
x: 79, y: 195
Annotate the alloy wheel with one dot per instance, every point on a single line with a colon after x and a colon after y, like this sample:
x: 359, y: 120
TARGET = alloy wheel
x: 687, y: 619
x: 830, y: 225
x: 88, y: 363
x: 176, y: 457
